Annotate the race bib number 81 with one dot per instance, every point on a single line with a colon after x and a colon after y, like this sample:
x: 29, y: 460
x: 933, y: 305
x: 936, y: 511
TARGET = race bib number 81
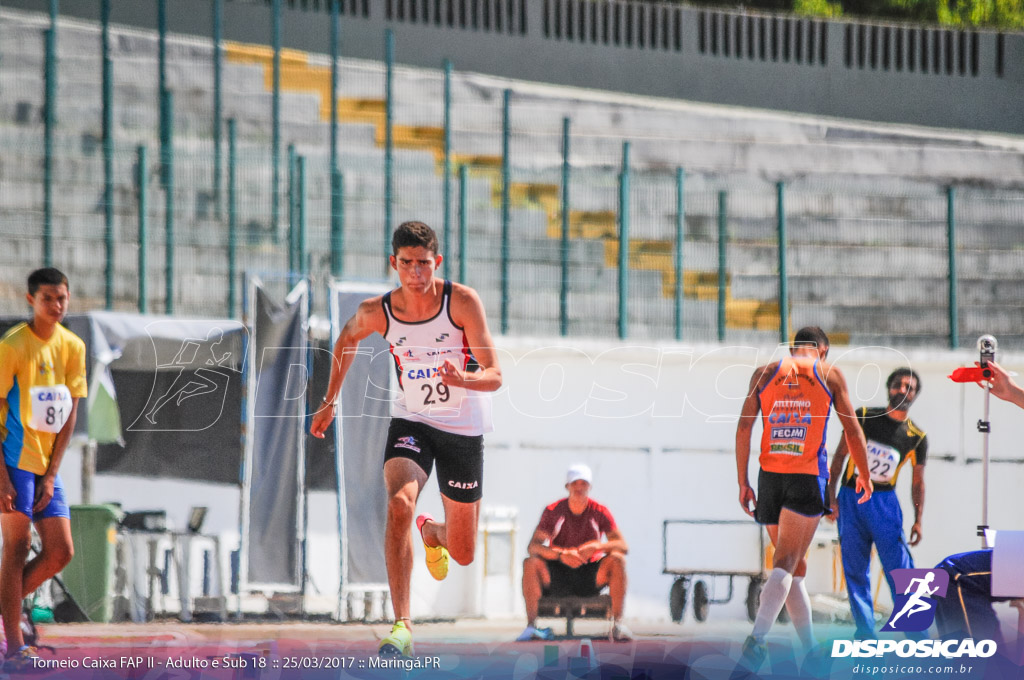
x: 51, y: 407
x: 426, y: 394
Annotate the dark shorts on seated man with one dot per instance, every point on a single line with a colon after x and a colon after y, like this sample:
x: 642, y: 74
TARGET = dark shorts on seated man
x: 569, y: 582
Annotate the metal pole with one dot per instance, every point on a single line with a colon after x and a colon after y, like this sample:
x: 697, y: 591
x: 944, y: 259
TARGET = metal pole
x: 780, y: 193
x: 108, y: 156
x: 292, y: 210
x: 463, y: 220
x: 50, y: 122
x: 232, y: 220
x: 954, y: 323
x: 218, y: 161
x: 161, y: 24
x: 337, y: 208
x: 275, y: 125
x: 168, y: 176
x: 447, y: 163
x: 722, y: 207
x: 680, y: 234
x: 338, y: 225
x: 300, y: 241
x: 141, y: 182
x: 984, y: 472
x: 505, y: 189
x: 389, y: 140
x: 624, y: 244
x: 563, y: 302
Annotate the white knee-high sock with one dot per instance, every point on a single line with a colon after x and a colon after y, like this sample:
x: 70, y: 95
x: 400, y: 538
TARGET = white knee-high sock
x: 798, y: 604
x: 773, y: 596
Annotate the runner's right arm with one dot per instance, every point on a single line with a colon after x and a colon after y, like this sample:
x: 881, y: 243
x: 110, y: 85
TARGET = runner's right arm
x: 369, y: 318
x: 853, y: 435
x: 835, y: 473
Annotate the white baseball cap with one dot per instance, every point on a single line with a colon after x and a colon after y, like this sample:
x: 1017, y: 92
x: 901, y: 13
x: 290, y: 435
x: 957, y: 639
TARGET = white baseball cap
x: 578, y: 471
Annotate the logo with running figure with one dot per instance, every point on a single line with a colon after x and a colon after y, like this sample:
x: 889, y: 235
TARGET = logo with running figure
x: 914, y: 610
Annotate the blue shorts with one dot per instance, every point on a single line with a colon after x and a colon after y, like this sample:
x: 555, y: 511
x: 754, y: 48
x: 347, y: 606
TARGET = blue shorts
x: 25, y: 495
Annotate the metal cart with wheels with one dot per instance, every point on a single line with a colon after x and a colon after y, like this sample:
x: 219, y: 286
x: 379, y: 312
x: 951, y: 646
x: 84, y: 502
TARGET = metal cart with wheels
x: 698, y: 561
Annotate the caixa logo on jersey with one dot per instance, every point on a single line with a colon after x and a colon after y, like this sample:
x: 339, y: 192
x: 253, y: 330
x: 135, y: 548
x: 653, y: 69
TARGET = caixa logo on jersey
x: 914, y: 611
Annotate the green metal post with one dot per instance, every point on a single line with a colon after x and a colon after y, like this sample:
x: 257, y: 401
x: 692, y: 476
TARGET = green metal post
x: 300, y: 244
x: 389, y: 140
x: 563, y: 302
x: 447, y: 163
x: 680, y: 240
x: 954, y: 323
x: 218, y: 160
x: 337, y: 207
x: 50, y: 123
x: 722, y: 211
x: 108, y: 156
x: 292, y: 210
x: 624, y: 244
x: 780, y: 190
x: 168, y: 176
x: 275, y: 123
x: 161, y: 27
x: 232, y: 221
x: 463, y: 220
x: 141, y: 182
x: 505, y: 198
x: 338, y: 225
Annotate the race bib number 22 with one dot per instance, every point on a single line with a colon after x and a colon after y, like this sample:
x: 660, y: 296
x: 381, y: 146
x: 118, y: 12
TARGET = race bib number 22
x: 51, y: 408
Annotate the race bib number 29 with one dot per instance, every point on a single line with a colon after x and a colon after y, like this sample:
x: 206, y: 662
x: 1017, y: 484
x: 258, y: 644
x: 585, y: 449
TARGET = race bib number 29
x: 51, y: 407
x: 426, y: 394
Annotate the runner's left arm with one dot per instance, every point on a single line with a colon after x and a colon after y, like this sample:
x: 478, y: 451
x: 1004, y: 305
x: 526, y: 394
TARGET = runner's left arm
x: 744, y: 429
x: 917, y: 497
x: 468, y: 313
x: 44, y: 490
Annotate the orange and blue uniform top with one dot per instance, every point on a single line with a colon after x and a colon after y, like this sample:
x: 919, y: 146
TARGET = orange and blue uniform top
x: 38, y: 380
x: 795, y: 408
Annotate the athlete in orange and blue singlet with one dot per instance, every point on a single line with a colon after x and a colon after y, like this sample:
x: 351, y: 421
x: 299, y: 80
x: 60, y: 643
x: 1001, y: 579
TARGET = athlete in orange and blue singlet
x: 792, y: 398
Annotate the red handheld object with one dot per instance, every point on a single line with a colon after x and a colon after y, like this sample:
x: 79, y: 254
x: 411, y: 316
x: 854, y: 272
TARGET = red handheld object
x: 970, y: 374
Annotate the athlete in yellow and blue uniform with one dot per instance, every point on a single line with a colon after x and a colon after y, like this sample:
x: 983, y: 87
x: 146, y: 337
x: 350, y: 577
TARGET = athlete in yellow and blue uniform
x: 42, y: 377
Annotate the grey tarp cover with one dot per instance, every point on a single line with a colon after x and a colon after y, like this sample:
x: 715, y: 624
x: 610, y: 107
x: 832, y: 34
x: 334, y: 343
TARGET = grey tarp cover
x: 364, y: 415
x: 273, y: 525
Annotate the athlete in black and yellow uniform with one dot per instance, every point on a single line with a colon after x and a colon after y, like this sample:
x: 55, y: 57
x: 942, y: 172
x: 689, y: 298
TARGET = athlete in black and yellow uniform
x: 893, y: 442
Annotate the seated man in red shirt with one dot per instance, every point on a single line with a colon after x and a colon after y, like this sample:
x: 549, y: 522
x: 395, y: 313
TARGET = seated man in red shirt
x: 568, y: 557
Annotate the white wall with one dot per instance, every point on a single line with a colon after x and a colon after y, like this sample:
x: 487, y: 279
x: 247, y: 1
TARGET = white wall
x: 657, y: 425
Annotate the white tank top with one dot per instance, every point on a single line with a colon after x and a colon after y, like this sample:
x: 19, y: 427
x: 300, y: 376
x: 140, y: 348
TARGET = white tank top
x: 419, y: 349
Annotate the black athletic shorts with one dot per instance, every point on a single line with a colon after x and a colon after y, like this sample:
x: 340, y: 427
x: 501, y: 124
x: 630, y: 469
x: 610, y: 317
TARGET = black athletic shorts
x: 803, y: 494
x: 578, y: 582
x: 460, y: 459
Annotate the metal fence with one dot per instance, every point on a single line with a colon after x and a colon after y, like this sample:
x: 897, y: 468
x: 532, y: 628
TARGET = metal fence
x: 157, y: 170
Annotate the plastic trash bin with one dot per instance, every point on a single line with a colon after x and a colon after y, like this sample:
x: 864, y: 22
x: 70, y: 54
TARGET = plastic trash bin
x: 89, y: 577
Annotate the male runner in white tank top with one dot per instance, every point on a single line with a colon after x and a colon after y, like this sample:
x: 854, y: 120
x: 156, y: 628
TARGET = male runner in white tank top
x: 435, y: 328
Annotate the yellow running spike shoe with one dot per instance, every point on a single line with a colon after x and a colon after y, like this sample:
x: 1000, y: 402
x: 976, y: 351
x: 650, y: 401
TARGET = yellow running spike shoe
x: 398, y: 643
x: 437, y: 556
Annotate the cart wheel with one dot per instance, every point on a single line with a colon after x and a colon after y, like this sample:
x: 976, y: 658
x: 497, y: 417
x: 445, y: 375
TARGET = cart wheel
x: 677, y: 600
x: 753, y: 598
x: 700, y: 601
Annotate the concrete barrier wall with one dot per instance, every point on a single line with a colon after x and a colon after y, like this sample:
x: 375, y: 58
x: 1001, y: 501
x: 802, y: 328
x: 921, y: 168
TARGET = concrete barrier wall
x: 892, y: 73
